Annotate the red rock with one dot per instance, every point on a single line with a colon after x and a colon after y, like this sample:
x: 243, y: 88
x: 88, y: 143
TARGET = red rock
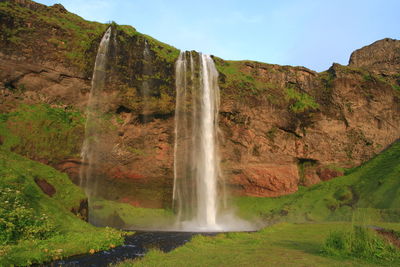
x: 118, y: 173
x: 129, y: 201
x: 71, y: 167
x: 327, y: 174
x: 45, y: 186
x: 267, y: 180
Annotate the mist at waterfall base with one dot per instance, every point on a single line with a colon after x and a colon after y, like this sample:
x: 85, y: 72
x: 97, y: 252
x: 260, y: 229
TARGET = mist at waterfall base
x: 199, y: 197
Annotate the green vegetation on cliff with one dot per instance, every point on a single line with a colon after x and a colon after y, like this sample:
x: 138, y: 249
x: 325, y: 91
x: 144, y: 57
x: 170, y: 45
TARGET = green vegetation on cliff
x: 300, y: 102
x: 60, y: 35
x: 52, y: 29
x: 252, y: 81
x: 236, y: 80
x: 162, y: 50
x: 148, y: 78
x: 36, y: 227
x: 41, y: 132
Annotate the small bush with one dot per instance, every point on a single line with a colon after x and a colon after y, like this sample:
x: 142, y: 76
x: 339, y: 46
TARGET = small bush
x: 360, y: 242
x: 19, y: 221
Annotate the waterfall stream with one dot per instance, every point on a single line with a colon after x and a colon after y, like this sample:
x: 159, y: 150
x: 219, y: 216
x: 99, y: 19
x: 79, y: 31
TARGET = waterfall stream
x: 199, y: 191
x: 89, y: 153
x: 196, y: 166
x: 147, y: 71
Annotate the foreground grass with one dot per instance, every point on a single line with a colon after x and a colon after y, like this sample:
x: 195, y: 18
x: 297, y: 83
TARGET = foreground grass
x: 363, y: 242
x: 36, y: 227
x: 280, y: 245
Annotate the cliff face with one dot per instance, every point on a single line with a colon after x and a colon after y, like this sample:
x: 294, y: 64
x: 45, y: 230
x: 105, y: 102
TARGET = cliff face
x: 382, y: 57
x: 304, y: 126
x: 281, y: 126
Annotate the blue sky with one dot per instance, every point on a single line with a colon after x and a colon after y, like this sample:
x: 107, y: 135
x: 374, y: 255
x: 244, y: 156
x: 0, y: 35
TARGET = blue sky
x: 310, y: 33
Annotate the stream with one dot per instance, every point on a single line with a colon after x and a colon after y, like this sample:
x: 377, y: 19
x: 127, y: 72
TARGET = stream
x: 136, y: 245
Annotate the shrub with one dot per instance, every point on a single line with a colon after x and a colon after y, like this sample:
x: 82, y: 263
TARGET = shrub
x: 360, y: 242
x: 18, y: 220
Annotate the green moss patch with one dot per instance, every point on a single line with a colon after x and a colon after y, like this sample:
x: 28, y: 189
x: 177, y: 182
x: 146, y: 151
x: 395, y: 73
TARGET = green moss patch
x: 300, y: 102
x: 42, y: 132
x: 237, y: 83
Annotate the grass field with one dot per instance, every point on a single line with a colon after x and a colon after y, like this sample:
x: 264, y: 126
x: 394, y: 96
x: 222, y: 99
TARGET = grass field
x: 283, y: 244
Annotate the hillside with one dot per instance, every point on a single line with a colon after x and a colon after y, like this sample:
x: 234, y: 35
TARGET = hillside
x: 37, y: 220
x: 369, y: 192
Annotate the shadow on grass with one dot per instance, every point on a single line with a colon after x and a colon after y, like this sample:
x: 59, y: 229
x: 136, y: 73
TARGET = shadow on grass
x: 303, y: 246
x: 315, y: 249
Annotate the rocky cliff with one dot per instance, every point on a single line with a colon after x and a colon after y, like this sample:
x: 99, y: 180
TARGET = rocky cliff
x: 281, y: 126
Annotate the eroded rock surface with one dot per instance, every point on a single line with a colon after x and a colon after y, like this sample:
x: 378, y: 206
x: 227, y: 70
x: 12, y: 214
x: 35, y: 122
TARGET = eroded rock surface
x: 382, y: 56
x: 45, y: 186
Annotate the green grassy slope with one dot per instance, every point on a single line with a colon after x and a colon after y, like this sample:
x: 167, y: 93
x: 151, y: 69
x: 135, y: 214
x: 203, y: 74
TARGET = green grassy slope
x: 41, y: 132
x: 372, y: 189
x: 35, y: 227
x: 280, y: 245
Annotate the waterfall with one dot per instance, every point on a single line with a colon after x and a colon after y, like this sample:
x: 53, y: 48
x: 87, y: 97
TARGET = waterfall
x: 147, y: 71
x: 89, y: 153
x: 196, y: 166
x: 199, y: 195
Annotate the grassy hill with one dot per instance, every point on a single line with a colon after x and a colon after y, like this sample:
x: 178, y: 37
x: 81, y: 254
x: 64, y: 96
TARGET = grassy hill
x: 36, y: 227
x: 372, y: 189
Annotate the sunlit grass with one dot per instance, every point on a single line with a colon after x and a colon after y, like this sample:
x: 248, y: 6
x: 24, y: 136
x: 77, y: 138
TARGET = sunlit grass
x: 280, y: 245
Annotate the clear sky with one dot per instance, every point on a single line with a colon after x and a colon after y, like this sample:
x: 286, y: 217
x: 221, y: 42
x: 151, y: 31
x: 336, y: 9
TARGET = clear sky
x: 310, y: 33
